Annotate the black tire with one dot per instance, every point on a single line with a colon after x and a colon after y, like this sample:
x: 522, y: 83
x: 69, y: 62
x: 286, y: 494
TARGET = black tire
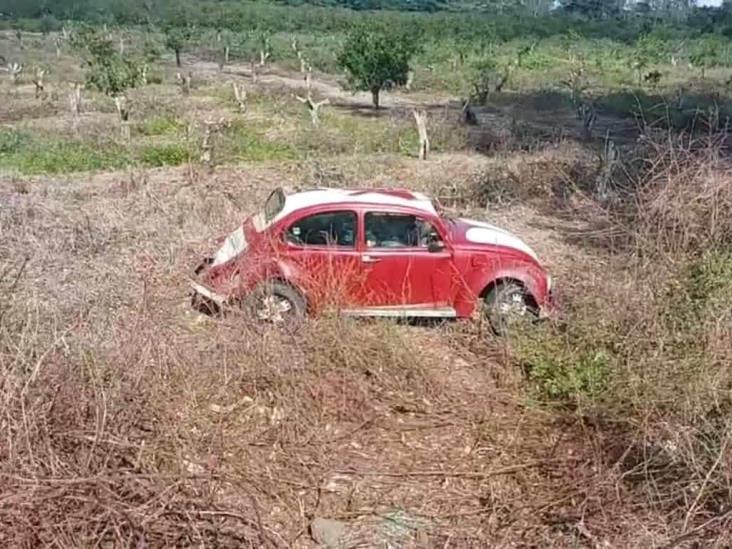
x: 508, y: 304
x: 276, y: 302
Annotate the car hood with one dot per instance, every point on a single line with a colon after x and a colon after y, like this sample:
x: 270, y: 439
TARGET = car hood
x: 470, y: 233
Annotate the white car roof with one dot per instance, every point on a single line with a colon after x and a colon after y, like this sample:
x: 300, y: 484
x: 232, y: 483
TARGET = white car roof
x: 387, y: 197
x: 327, y: 196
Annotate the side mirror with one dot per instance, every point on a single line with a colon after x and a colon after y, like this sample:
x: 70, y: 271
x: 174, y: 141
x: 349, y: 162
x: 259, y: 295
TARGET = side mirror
x: 435, y: 246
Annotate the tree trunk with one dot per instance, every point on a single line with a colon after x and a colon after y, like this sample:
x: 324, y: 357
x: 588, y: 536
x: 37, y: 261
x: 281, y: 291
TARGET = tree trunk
x: 375, y: 97
x: 177, y: 58
x: 424, y: 143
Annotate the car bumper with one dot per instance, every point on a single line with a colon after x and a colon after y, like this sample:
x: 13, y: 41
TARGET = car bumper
x: 207, y: 293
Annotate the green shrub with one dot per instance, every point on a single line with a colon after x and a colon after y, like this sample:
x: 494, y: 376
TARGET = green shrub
x: 699, y: 297
x: 164, y: 155
x: 31, y: 155
x: 561, y: 370
x: 12, y: 141
x: 160, y: 125
x: 240, y: 142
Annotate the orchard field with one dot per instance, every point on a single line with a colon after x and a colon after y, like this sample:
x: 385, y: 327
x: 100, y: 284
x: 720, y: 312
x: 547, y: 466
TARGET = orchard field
x: 134, y: 134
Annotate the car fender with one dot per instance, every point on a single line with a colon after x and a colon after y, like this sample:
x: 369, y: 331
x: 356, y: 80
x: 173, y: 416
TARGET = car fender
x: 530, y: 280
x: 482, y: 275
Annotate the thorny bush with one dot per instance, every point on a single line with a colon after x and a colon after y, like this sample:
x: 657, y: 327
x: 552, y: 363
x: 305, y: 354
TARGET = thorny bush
x: 646, y: 349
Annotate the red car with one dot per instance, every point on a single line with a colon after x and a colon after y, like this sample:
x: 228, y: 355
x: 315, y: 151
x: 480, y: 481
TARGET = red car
x: 372, y: 252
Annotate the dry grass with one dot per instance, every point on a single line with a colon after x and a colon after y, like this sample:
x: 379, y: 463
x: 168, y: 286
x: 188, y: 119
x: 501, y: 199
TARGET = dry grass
x: 126, y: 417
x: 652, y: 376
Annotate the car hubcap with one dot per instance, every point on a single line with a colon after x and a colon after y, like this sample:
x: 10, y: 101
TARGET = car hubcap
x: 273, y: 308
x: 513, y: 305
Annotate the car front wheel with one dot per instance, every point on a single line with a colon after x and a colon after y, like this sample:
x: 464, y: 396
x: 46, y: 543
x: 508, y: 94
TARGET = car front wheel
x: 276, y: 303
x: 508, y: 305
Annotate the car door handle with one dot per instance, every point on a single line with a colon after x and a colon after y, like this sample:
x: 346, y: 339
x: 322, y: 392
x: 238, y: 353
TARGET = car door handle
x: 369, y: 259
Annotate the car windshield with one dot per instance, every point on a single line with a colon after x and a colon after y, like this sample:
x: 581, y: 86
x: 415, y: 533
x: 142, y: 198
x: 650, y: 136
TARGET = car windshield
x: 272, y: 206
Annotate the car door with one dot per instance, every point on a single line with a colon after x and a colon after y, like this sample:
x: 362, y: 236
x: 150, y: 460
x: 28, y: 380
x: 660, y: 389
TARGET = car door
x: 405, y: 261
x: 322, y: 257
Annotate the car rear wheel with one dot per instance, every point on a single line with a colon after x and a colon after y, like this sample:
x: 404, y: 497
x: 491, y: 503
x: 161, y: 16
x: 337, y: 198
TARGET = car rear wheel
x: 276, y: 303
x: 508, y: 305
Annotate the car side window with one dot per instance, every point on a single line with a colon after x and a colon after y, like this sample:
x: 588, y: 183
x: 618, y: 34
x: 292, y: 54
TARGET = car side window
x: 324, y: 229
x: 391, y: 230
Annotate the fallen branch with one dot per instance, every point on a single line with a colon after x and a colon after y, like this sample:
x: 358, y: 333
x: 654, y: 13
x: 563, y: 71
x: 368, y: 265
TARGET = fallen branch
x: 455, y: 474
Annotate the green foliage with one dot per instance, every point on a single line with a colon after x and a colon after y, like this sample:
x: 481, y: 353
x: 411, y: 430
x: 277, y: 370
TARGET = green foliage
x: 107, y: 70
x: 30, y: 155
x: 706, y: 53
x: 242, y: 142
x: 649, y: 49
x: 176, y: 39
x: 572, y: 372
x: 486, y: 78
x: 376, y: 56
x: 12, y: 142
x: 709, y: 279
x: 164, y: 155
x: 160, y: 125
x: 701, y: 295
x: 48, y: 23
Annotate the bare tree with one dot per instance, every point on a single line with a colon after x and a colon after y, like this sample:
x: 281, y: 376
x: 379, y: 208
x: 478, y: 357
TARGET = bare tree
x: 185, y: 82
x: 211, y: 131
x: 680, y: 96
x: 265, y: 51
x: 38, y: 82
x: 304, y: 66
x: 15, y: 70
x: 313, y: 107
x: 468, y: 115
x: 587, y: 113
x: 120, y: 101
x: 75, y: 100
x: 255, y: 71
x: 420, y: 118
x: 240, y: 94
x: 576, y: 81
x: 609, y: 161
x: 309, y: 78
x: 410, y: 81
